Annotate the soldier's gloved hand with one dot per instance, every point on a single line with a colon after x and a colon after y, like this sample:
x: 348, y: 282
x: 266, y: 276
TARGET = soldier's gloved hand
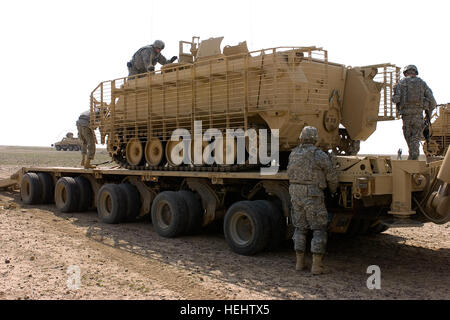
x: 173, y: 59
x: 151, y: 68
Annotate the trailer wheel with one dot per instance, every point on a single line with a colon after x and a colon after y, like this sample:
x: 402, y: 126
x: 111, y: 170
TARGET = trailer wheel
x: 86, y: 193
x: 277, y: 227
x: 48, y: 187
x: 31, y: 189
x: 169, y: 214
x: 133, y: 201
x: 111, y: 204
x: 246, y: 228
x: 67, y: 195
x: 195, y: 214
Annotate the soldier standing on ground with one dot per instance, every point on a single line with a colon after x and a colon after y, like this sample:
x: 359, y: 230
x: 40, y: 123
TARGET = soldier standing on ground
x: 88, y: 140
x: 145, y: 59
x: 399, y: 154
x: 309, y: 171
x: 413, y: 96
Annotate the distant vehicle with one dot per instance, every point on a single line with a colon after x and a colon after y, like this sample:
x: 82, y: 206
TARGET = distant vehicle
x: 68, y: 143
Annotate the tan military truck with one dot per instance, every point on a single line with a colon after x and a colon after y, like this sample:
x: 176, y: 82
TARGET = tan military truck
x: 439, y: 132
x: 278, y: 88
x: 69, y: 142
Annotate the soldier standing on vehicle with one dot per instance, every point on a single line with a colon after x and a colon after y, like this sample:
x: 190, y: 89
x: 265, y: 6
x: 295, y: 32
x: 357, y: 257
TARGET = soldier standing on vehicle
x: 87, y: 137
x: 145, y: 59
x: 309, y: 171
x: 413, y: 96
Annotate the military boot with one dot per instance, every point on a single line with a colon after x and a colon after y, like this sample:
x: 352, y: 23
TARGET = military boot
x: 83, y: 160
x: 88, y: 165
x: 317, y: 265
x: 300, y: 260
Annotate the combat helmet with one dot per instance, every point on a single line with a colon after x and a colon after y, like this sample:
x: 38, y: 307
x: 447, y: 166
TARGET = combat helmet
x: 409, y: 68
x: 309, y: 135
x: 158, y: 44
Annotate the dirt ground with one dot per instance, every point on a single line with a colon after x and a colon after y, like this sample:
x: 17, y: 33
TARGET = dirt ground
x: 130, y: 261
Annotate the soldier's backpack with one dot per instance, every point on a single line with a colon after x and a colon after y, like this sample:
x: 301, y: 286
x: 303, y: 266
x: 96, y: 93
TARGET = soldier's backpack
x: 301, y: 163
x: 414, y: 91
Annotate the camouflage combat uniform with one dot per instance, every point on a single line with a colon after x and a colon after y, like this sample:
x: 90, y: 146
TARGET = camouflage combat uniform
x: 144, y: 60
x: 86, y: 135
x: 413, y: 96
x: 308, y: 171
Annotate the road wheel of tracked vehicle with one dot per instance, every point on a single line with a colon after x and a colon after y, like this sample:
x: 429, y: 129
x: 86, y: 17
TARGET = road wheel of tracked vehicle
x: 86, y: 193
x: 277, y: 223
x: 111, y: 204
x: 169, y: 214
x: 154, y: 152
x: 347, y: 146
x: 175, y: 152
x: 58, y: 148
x: 246, y: 228
x: 48, y: 187
x: 30, y: 188
x: 135, y: 152
x: 67, y: 194
x: 195, y: 214
x: 133, y: 201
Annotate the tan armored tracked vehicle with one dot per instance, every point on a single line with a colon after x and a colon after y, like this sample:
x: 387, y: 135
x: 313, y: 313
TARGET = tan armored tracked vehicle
x: 281, y: 88
x: 68, y: 143
x: 439, y: 140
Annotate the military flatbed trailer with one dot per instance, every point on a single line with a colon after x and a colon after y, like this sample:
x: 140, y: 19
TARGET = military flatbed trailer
x: 374, y: 193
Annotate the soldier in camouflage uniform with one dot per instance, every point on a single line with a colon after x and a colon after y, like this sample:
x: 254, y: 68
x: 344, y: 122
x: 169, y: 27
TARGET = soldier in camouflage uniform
x: 413, y: 96
x: 145, y: 59
x: 87, y: 138
x: 309, y: 171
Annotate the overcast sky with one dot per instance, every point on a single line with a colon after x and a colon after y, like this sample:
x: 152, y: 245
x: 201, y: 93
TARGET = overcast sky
x: 54, y: 53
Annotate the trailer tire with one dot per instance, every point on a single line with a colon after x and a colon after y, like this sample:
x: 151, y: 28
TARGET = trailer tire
x: 31, y: 189
x: 169, y: 214
x: 86, y: 193
x: 277, y: 227
x: 242, y: 238
x: 195, y: 214
x: 48, y: 187
x: 111, y: 204
x: 67, y: 194
x: 133, y: 201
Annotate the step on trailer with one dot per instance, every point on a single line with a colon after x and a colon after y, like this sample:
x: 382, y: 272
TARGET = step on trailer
x: 374, y: 193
